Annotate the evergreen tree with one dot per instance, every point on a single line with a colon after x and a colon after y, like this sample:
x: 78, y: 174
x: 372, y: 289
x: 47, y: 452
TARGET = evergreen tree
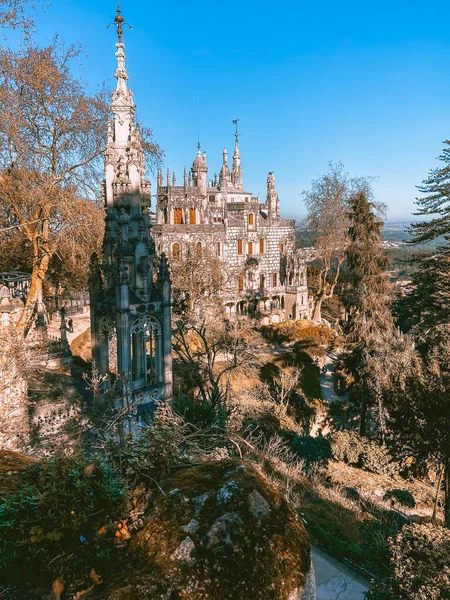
x: 367, y: 298
x: 436, y: 202
x: 424, y: 305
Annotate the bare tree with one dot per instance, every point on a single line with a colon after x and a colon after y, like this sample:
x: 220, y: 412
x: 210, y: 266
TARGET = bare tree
x: 51, y: 142
x: 16, y: 14
x: 327, y: 203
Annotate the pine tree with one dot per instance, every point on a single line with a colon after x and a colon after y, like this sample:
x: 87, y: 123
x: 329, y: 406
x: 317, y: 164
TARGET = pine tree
x: 436, y: 202
x: 367, y: 298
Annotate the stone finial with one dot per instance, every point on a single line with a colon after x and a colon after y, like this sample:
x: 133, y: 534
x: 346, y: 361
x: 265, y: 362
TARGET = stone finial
x: 185, y: 177
x: 168, y: 177
x: 174, y: 179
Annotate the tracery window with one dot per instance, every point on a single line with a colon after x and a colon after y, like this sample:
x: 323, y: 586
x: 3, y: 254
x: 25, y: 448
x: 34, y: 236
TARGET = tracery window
x: 177, y: 216
x: 239, y: 247
x: 282, y: 248
x: 192, y: 216
x: 261, y: 246
x: 274, y: 279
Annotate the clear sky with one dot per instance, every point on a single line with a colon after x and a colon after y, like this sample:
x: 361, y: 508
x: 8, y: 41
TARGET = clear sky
x: 365, y: 83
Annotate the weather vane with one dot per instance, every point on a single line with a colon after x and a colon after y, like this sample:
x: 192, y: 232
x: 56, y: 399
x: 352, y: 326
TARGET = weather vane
x: 235, y: 122
x: 119, y: 22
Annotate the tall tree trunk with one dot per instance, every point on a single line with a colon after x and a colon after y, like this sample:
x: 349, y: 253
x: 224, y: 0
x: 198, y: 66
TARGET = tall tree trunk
x: 37, y: 279
x: 317, y: 311
x: 447, y: 494
x: 436, y: 498
x: 363, y: 418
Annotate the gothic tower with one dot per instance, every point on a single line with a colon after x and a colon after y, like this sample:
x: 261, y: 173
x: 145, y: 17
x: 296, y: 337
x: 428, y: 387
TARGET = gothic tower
x: 130, y: 305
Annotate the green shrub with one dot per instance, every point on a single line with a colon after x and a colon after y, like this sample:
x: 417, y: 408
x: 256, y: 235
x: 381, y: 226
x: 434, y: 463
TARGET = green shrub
x: 346, y: 446
x: 402, y: 497
x: 315, y: 450
x: 349, y: 447
x: 50, y: 526
x: 377, y: 459
x: 200, y: 412
x: 420, y: 559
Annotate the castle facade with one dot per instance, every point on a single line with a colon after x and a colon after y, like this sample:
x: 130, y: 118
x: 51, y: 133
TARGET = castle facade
x: 245, y: 233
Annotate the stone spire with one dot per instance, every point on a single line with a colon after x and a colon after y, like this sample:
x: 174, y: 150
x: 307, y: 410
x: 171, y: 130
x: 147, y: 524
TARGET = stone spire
x: 236, y: 174
x: 124, y: 156
x: 224, y: 175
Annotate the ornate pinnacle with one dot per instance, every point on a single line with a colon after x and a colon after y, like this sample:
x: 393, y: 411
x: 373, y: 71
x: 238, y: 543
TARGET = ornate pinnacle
x: 236, y: 135
x: 119, y: 22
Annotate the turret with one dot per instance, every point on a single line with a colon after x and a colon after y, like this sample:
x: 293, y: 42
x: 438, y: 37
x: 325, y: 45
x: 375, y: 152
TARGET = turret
x: 224, y: 176
x: 200, y: 171
x: 273, y: 205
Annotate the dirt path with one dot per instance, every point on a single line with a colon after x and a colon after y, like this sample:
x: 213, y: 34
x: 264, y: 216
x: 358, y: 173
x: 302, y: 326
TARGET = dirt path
x: 335, y: 580
x: 327, y: 378
x: 81, y: 322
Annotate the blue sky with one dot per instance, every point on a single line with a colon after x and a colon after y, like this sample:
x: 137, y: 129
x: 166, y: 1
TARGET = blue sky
x: 367, y: 84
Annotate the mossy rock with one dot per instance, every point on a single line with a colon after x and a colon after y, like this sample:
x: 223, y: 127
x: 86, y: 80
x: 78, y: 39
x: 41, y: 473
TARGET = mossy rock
x: 219, y: 531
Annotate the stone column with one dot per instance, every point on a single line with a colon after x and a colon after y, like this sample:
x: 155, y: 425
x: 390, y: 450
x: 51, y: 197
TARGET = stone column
x: 167, y: 341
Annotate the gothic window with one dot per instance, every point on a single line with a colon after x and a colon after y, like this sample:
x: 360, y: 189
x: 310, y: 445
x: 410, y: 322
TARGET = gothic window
x: 218, y: 249
x: 240, y: 248
x: 251, y: 219
x: 262, y: 281
x: 282, y: 248
x: 274, y: 279
x: 240, y: 283
x: 146, y: 351
x: 176, y: 250
x: 261, y: 246
x: 192, y: 216
x: 250, y: 248
x: 177, y: 216
x: 165, y: 215
x: 198, y: 248
x: 212, y: 198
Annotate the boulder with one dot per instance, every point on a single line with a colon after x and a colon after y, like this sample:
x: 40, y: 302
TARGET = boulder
x: 217, y: 531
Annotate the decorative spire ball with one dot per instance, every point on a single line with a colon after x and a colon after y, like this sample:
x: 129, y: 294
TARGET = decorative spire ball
x: 119, y: 22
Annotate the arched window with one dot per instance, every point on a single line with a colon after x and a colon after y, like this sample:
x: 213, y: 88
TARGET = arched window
x: 177, y: 216
x: 219, y: 250
x: 250, y: 248
x: 240, y: 248
x: 251, y: 219
x: 240, y: 283
x: 261, y: 246
x: 282, y: 248
x: 274, y: 279
x: 192, y: 216
x: 176, y: 250
x: 262, y: 281
x: 198, y: 248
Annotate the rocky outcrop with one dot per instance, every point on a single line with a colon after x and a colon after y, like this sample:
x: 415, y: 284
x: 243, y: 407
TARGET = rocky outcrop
x: 218, y: 531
